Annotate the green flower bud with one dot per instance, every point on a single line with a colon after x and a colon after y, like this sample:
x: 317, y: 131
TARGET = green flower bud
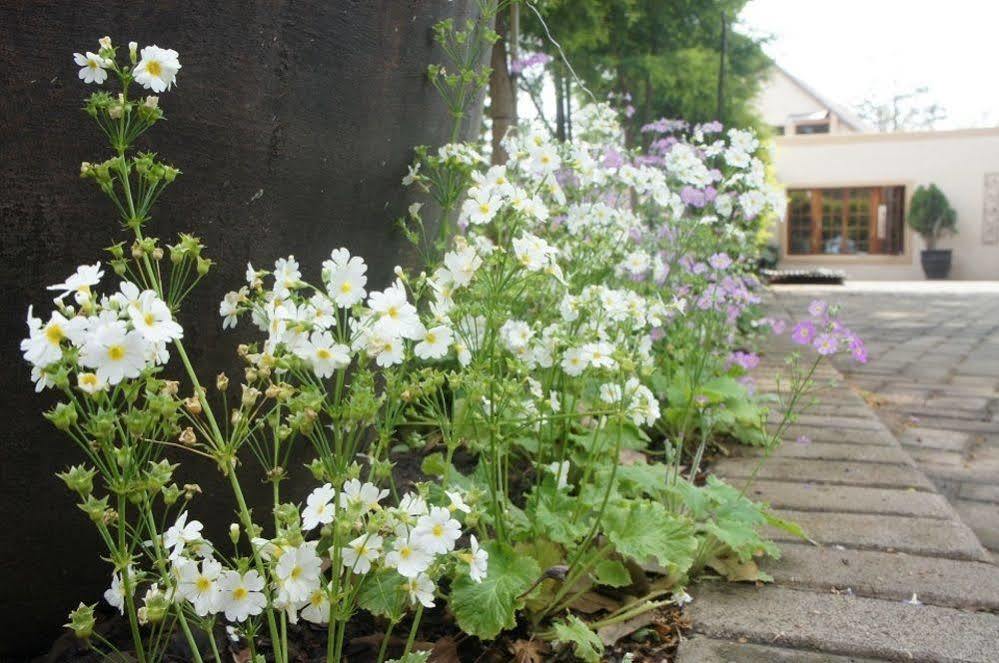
x: 81, y: 621
x: 160, y: 473
x: 79, y: 479
x: 157, y: 605
x: 204, y: 265
x: 63, y: 416
x: 94, y: 508
x: 234, y: 533
x: 171, y: 494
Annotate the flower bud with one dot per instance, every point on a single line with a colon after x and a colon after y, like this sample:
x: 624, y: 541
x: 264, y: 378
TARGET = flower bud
x: 234, y: 533
x: 151, y: 102
x: 157, y: 254
x: 191, y: 489
x: 204, y: 265
x: 79, y: 479
x: 171, y: 494
x: 95, y: 508
x: 221, y: 382
x: 133, y: 49
x: 193, y: 405
x: 81, y: 621
x: 187, y: 437
x: 63, y: 416
x: 157, y: 604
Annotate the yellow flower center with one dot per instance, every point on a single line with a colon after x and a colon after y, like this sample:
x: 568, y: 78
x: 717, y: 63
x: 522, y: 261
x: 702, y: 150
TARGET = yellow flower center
x: 393, y: 312
x: 345, y: 287
x: 317, y: 599
x: 323, y: 353
x: 154, y: 68
x: 484, y: 208
x: 54, y: 334
x: 92, y: 64
x: 116, y: 352
x: 239, y: 593
x: 438, y: 531
x: 88, y: 379
x: 431, y: 338
x: 203, y: 584
x: 149, y: 319
x: 295, y: 573
x: 405, y: 552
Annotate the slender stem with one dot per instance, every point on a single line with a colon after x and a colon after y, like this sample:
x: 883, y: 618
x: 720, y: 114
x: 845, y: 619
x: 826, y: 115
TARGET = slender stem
x: 385, y: 641
x: 412, y: 631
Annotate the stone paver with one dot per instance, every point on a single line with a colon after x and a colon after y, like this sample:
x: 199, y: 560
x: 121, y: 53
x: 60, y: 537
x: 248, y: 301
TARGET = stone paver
x: 891, y: 572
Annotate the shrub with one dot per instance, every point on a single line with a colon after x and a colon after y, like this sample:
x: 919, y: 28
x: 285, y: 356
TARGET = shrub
x: 931, y: 215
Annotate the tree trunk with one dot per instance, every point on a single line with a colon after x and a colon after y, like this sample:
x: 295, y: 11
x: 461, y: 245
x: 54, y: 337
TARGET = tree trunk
x: 559, y: 103
x: 502, y: 87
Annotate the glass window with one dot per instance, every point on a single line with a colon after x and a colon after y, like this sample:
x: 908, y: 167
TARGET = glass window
x: 846, y: 221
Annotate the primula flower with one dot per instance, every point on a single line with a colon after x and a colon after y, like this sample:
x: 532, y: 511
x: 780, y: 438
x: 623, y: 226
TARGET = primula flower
x: 319, y: 509
x: 157, y: 69
x: 408, y: 556
x: 803, y: 333
x: 826, y: 344
x: 817, y: 308
x: 361, y: 552
x: 345, y: 278
x: 200, y: 585
x: 457, y: 502
x: 151, y: 317
x: 561, y: 472
x: 435, y: 343
x: 241, y: 595
x: 317, y: 610
x: 115, y: 594
x: 438, y: 531
x: 394, y: 315
x: 92, y: 67
x: 324, y: 354
x: 421, y: 589
x: 114, y: 352
x: 79, y: 282
x: 181, y: 533
x: 366, y: 495
x: 298, y: 571
x: 478, y: 560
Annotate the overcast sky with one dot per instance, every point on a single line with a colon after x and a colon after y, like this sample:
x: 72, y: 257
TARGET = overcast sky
x: 848, y: 48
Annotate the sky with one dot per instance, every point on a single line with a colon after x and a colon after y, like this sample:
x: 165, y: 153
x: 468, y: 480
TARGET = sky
x: 848, y: 50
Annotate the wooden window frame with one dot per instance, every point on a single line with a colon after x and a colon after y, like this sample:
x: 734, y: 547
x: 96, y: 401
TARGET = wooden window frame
x: 875, y: 243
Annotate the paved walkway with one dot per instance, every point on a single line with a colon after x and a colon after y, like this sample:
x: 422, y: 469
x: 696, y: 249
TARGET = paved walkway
x: 882, y: 531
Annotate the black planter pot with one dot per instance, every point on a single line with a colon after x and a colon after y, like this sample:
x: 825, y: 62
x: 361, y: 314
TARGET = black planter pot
x: 936, y: 263
x: 293, y: 123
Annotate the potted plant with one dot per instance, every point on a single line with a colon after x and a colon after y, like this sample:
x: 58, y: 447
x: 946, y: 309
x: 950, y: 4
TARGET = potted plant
x: 932, y: 217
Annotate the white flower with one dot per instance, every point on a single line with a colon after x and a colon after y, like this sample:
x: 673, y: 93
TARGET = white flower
x: 44, y: 343
x: 181, y: 533
x: 345, y: 277
x: 79, y: 282
x: 481, y: 209
x: 421, y: 588
x: 91, y: 67
x: 544, y: 159
x: 114, y: 352
x: 323, y: 353
x: 637, y: 262
x: 287, y: 276
x: 322, y: 311
x: 461, y: 265
x: 229, y: 310
x: 115, y: 594
x: 394, y: 315
x: 438, y: 531
x: 644, y: 407
x: 151, y: 317
x: 200, y: 585
x: 610, y: 393
x: 533, y: 252
x: 319, y: 507
x: 435, y: 343
x: 575, y: 361
x: 412, y: 505
x: 241, y: 595
x: 516, y: 334
x: 561, y: 472
x: 457, y: 503
x: 318, y: 609
x: 388, y: 350
x: 599, y: 354
x: 157, y: 68
x: 408, y: 557
x: 478, y: 560
x: 360, y: 552
x: 298, y: 571
x: 366, y: 495
x: 89, y: 383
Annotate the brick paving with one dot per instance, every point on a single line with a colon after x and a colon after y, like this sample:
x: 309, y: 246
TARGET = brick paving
x: 889, y: 445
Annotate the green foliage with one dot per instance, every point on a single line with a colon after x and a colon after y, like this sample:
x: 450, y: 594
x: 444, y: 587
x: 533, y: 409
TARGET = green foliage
x: 665, y: 54
x: 612, y: 573
x: 382, y: 594
x: 931, y: 215
x: 585, y: 643
x: 486, y: 608
x: 642, y: 530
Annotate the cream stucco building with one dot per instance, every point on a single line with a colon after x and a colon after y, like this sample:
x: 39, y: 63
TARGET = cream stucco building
x: 849, y: 189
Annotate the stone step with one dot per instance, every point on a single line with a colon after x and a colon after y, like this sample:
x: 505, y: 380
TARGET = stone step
x: 843, y: 625
x: 897, y: 576
x: 831, y: 451
x: 850, y: 499
x: 931, y: 537
x: 839, y: 435
x: 701, y: 649
x: 826, y: 471
x: 867, y: 423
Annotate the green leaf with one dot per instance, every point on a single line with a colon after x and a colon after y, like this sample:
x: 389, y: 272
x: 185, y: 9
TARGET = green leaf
x: 585, y: 643
x: 486, y: 608
x: 644, y: 529
x: 554, y: 518
x: 412, y: 657
x: 788, y: 526
x: 612, y: 573
x: 382, y: 594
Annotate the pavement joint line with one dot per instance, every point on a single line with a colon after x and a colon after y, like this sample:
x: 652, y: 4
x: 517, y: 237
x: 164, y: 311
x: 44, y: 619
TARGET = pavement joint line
x: 826, y: 482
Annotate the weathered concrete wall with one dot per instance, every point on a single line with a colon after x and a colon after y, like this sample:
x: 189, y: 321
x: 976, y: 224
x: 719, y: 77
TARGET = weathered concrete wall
x: 292, y: 123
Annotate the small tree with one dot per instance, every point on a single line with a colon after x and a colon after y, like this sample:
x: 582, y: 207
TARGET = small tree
x: 931, y: 215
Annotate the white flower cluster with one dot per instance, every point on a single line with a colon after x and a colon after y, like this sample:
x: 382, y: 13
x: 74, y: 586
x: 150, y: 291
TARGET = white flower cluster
x: 155, y: 70
x: 415, y: 540
x: 104, y: 339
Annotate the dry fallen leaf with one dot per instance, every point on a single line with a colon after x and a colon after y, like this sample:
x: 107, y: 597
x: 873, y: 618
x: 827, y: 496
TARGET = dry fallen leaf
x: 530, y: 651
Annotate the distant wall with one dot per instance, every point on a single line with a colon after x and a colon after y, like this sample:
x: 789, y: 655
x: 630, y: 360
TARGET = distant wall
x: 956, y: 161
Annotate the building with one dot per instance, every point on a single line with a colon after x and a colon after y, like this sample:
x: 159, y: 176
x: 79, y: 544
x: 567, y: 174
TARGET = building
x: 849, y: 188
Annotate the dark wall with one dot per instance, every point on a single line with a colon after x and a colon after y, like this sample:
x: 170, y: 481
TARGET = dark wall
x: 292, y: 123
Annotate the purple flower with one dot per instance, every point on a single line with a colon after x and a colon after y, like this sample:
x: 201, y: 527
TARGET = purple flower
x: 693, y: 197
x: 720, y: 261
x: 778, y: 326
x: 533, y: 60
x: 826, y: 344
x: 629, y: 110
x: 657, y: 333
x: 747, y: 360
x: 612, y: 159
x: 710, y: 127
x: 859, y: 353
x: 804, y: 439
x: 803, y: 332
x: 817, y: 308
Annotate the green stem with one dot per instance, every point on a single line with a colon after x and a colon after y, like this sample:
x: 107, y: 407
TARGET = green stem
x: 412, y: 631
